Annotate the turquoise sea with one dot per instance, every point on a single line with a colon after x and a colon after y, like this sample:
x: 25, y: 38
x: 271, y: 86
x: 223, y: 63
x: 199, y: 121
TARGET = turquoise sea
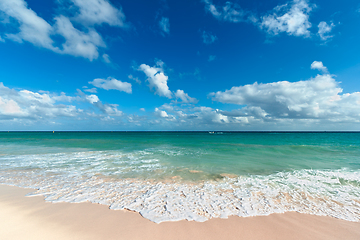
x: 170, y: 176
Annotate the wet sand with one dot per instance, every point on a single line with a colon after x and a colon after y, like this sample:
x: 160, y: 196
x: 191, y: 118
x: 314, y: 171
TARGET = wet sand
x: 32, y: 218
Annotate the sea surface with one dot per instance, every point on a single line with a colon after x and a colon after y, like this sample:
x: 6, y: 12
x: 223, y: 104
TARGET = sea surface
x: 171, y: 176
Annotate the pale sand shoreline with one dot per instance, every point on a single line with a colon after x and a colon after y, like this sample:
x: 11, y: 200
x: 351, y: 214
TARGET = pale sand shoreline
x: 32, y: 218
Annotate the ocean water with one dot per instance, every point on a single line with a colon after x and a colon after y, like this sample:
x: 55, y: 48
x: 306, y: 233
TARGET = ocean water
x: 171, y: 176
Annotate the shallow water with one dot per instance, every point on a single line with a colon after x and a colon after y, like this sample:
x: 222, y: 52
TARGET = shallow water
x: 169, y: 176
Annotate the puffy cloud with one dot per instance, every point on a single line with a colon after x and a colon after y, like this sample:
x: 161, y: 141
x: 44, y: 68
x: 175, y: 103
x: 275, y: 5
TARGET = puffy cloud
x: 185, y: 98
x: 200, y: 118
x: 209, y: 115
x: 78, y: 43
x: 208, y: 38
x: 164, y: 25
x: 109, y: 109
x: 230, y: 12
x: 292, y: 18
x: 164, y: 115
x: 93, y: 12
x: 247, y: 113
x: 9, y: 107
x: 112, y: 83
x: 32, y: 105
x: 82, y: 42
x: 157, y: 80
x: 92, y: 98
x: 161, y: 113
x: 316, y: 98
x: 25, y: 108
x: 86, y: 43
x: 32, y: 28
x: 319, y: 66
x: 324, y: 30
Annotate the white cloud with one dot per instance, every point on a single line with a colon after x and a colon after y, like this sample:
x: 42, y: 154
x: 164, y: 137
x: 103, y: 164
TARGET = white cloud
x: 168, y: 107
x: 106, y: 58
x: 62, y: 97
x: 78, y: 43
x: 324, y: 30
x: 185, y: 98
x: 316, y: 98
x: 211, y: 58
x: 83, y: 42
x: 93, y: 12
x: 1, y: 39
x: 134, y: 78
x: 208, y: 38
x: 230, y: 12
x: 161, y: 113
x: 164, y: 115
x: 24, y: 108
x: 109, y: 109
x: 157, y: 80
x: 27, y: 104
x: 208, y: 115
x: 319, y: 66
x: 90, y: 90
x: 194, y: 118
x: 112, y: 83
x: 92, y: 98
x: 32, y: 28
x: 9, y: 107
x: 112, y: 110
x: 164, y: 25
x: 292, y: 18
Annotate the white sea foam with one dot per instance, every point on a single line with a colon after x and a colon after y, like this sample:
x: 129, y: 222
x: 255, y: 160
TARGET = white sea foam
x: 104, y: 177
x: 334, y: 193
x: 88, y: 162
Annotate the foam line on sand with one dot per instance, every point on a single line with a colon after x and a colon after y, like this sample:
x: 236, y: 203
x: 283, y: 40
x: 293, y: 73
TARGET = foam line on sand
x: 32, y: 218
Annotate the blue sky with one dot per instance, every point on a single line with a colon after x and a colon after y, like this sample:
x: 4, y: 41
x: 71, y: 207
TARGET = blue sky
x: 179, y: 65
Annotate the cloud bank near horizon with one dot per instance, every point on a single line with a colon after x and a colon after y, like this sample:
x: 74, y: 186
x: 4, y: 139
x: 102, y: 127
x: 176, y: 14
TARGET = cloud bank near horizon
x: 318, y: 101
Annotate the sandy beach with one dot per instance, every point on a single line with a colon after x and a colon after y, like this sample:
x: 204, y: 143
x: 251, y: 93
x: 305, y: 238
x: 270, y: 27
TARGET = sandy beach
x: 33, y: 218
